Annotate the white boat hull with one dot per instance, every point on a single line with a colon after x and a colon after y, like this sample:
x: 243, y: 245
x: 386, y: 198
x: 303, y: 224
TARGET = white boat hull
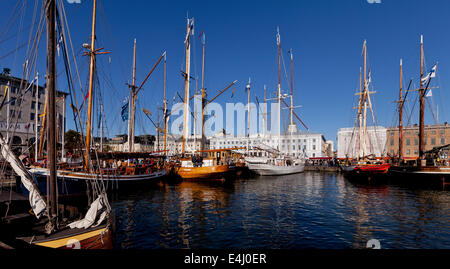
x: 274, y: 170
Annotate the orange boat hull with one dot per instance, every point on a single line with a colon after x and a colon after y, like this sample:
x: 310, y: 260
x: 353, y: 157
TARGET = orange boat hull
x: 208, y: 172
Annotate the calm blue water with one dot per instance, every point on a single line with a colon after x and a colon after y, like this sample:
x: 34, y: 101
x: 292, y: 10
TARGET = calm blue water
x: 310, y: 210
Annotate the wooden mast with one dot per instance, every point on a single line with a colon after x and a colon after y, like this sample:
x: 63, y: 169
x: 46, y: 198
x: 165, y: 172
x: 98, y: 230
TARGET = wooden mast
x: 51, y: 130
x: 133, y: 102
x: 91, y: 85
x: 400, y: 115
x: 365, y: 102
x: 190, y: 24
x: 36, y: 118
x: 202, y: 146
x: 165, y: 107
x: 44, y: 125
x: 422, y: 108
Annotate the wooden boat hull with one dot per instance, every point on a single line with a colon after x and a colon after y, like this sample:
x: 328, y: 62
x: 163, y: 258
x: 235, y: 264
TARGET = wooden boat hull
x: 367, y: 172
x: 93, y: 238
x: 428, y: 175
x: 74, y: 183
x: 204, y: 172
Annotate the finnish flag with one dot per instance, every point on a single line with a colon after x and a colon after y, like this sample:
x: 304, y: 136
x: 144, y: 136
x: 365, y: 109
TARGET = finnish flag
x: 432, y: 74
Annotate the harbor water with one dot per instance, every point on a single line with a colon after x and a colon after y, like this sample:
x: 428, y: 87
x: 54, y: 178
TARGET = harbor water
x: 308, y: 210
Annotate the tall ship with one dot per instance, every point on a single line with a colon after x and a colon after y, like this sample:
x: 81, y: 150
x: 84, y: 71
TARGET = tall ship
x: 117, y: 168
x: 277, y: 163
x: 427, y: 169
x: 365, y: 166
x: 195, y: 165
x: 47, y: 224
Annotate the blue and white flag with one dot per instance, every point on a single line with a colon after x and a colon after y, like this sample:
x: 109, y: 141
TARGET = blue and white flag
x: 124, y: 112
x: 432, y: 74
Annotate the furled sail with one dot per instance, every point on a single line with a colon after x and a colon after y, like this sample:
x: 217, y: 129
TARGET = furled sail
x: 37, y: 203
x: 99, y: 205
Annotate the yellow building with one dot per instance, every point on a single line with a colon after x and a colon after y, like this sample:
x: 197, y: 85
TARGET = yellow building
x: 435, y: 136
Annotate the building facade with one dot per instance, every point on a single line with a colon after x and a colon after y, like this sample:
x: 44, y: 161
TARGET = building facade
x: 435, y: 136
x: 23, y: 106
x: 175, y: 145
x: 297, y: 144
x: 348, y: 144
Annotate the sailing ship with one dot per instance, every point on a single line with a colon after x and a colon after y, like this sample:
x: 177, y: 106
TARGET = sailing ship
x: 121, y: 170
x: 277, y: 163
x: 427, y: 169
x: 49, y: 228
x: 196, y: 166
x: 364, y: 166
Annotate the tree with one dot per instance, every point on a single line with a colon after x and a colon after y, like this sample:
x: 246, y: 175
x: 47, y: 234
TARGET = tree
x: 73, y: 141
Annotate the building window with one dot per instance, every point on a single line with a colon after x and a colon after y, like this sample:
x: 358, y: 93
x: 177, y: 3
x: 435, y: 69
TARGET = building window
x: 433, y: 132
x: 442, y: 141
x: 293, y: 147
x: 392, y: 141
x: 314, y: 147
x: 408, y: 142
x: 32, y: 116
x: 416, y: 141
x: 408, y: 152
x: 433, y: 141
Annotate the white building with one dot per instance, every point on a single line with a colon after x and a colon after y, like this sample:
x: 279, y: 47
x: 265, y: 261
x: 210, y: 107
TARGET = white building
x: 174, y: 146
x: 348, y: 144
x: 18, y: 118
x: 297, y: 144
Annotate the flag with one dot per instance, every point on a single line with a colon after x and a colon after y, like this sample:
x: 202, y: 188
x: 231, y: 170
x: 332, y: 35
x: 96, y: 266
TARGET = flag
x: 84, y: 101
x: 30, y: 85
x: 431, y: 74
x: 124, y: 112
x: 6, y: 89
x: 278, y: 36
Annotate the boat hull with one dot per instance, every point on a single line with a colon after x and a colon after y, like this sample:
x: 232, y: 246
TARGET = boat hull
x: 273, y: 170
x: 367, y: 172
x: 100, y: 237
x: 428, y: 175
x: 205, y: 172
x: 74, y: 183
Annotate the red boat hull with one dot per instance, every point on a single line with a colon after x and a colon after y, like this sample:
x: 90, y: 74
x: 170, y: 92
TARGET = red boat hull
x: 373, y: 168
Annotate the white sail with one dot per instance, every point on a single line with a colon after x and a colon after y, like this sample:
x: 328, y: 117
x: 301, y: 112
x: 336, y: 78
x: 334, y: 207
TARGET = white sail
x: 37, y: 203
x: 97, y: 206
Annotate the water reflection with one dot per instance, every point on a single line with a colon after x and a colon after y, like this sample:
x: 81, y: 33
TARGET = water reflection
x: 310, y: 210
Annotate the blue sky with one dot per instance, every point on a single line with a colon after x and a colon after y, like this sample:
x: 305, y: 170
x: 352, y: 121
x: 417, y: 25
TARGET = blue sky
x: 325, y: 35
